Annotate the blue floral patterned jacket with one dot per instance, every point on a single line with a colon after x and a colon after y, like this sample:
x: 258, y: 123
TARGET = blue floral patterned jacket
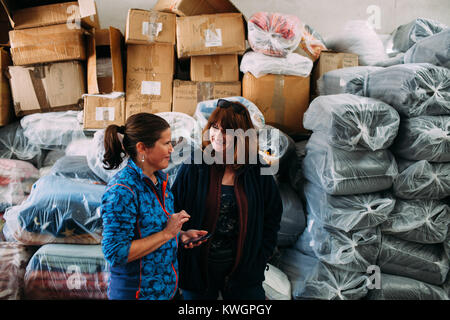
x: 131, y: 209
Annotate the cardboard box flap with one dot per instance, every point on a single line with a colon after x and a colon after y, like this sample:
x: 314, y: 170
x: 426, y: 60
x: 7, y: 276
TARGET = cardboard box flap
x: 195, y: 7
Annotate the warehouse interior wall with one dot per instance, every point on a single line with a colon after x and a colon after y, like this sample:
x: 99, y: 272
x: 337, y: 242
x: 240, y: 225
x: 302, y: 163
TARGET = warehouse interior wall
x: 325, y: 16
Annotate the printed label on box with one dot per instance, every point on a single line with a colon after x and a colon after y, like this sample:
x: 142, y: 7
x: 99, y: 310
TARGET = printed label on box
x: 213, y: 38
x: 104, y: 114
x: 151, y: 29
x: 151, y: 87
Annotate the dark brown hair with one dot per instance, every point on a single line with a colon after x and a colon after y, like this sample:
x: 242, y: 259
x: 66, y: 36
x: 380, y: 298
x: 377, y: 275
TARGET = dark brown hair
x: 228, y: 118
x: 140, y: 127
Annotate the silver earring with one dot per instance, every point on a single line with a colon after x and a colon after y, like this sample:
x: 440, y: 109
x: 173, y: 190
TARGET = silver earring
x: 143, y: 158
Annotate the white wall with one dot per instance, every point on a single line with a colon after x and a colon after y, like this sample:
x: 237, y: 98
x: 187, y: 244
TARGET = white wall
x: 325, y: 16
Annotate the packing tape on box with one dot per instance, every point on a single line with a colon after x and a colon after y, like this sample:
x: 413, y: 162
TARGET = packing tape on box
x: 214, y: 69
x: 205, y: 91
x: 278, y: 99
x: 151, y: 28
x: 37, y: 76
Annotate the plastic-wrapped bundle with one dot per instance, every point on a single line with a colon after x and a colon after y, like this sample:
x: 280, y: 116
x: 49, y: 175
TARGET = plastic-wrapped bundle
x: 446, y: 287
x: 206, y: 108
x: 312, y: 279
x: 423, y: 262
x: 52, y: 156
x: 434, y: 49
x: 423, y: 221
x: 14, y: 258
x: 424, y: 138
x: 401, y: 288
x: 58, y: 210
x: 52, y: 130
x: 350, y: 251
x: 295, y: 174
x: 15, y: 145
x: 61, y: 271
x: 422, y: 180
x: 260, y: 64
x: 397, y: 59
x: 336, y: 81
x: 413, y: 89
x: 276, y: 284
x: 311, y: 43
x: 95, y: 154
x: 16, y: 179
x: 341, y: 172
x: 358, y: 37
x: 274, y: 34
x: 405, y: 36
x: 78, y: 147
x: 353, y: 123
x: 75, y: 167
x: 348, y: 213
x: 293, y: 219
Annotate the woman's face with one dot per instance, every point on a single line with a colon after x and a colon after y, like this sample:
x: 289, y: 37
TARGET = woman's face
x: 219, y: 140
x: 158, y: 156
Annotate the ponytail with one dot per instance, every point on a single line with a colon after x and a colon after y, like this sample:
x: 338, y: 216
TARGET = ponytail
x: 113, y: 147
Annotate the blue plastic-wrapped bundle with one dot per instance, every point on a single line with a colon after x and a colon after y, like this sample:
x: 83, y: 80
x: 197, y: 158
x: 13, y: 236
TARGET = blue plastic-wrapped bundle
x: 434, y: 49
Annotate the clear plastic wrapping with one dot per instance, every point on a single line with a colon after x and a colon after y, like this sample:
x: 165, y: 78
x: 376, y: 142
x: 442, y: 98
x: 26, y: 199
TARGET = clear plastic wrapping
x: 423, y: 262
x: 276, y: 284
x: 434, y: 49
x: 423, y: 221
x: 295, y: 173
x: 422, y: 180
x: 15, y: 145
x: 312, y: 279
x: 58, y: 210
x: 14, y: 258
x: 274, y: 34
x: 424, y: 138
x: 406, y: 35
x: 259, y: 64
x: 75, y: 167
x: 352, y: 122
x: 52, y: 156
x: 78, y: 147
x: 348, y: 213
x: 360, y: 38
x: 349, y: 251
x: 337, y: 81
x: 52, y: 130
x: 205, y: 109
x: 61, y: 271
x: 16, y: 179
x: 293, y: 219
x: 311, y: 43
x: 341, y: 172
x: 413, y: 89
x: 401, y: 288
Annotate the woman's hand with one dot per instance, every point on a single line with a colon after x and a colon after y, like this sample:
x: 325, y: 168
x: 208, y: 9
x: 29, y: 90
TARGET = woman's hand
x: 175, y: 223
x: 190, y: 235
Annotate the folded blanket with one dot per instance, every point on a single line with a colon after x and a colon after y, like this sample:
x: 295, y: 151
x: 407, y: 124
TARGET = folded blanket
x: 57, y: 208
x: 406, y: 35
x: 423, y: 221
x: 312, y: 279
x: 336, y: 81
x: 422, y: 180
x: 423, y: 262
x: 434, y: 49
x: 349, y: 251
x: 413, y: 89
x: 401, y: 288
x: 348, y: 213
x: 341, y: 172
x: 75, y: 167
x: 424, y: 138
x: 352, y: 122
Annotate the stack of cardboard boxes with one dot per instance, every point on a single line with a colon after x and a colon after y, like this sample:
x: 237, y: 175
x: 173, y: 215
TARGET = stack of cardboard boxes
x: 48, y: 49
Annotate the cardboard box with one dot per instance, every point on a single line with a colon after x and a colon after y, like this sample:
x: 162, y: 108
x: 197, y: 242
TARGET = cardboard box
x: 328, y: 61
x: 216, y: 68
x: 195, y: 7
x: 187, y: 94
x: 6, y: 112
x: 149, y: 107
x: 282, y: 99
x: 147, y: 27
x: 46, y: 88
x: 104, y: 63
x: 210, y: 34
x: 147, y: 87
x: 102, y: 110
x: 155, y: 58
x: 47, y: 44
x: 22, y: 14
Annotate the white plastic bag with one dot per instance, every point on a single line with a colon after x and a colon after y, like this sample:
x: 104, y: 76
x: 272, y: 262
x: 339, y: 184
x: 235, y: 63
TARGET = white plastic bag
x: 276, y: 284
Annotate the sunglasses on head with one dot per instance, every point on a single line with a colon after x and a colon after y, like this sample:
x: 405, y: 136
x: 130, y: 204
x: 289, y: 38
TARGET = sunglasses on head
x: 222, y: 103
